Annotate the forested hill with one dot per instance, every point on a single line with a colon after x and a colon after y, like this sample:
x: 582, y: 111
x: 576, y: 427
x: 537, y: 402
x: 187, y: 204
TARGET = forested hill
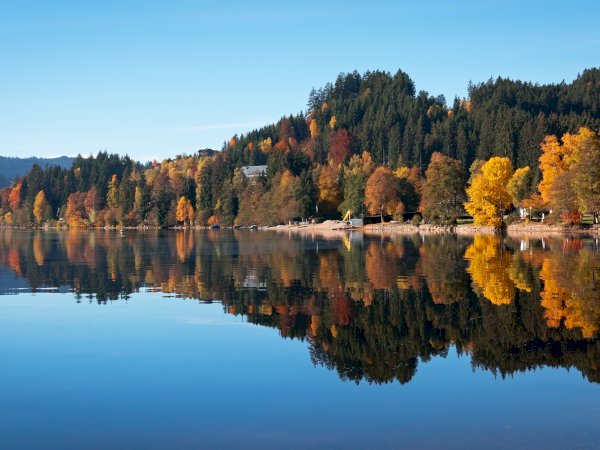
x: 367, y: 143
x: 11, y: 167
x: 383, y: 114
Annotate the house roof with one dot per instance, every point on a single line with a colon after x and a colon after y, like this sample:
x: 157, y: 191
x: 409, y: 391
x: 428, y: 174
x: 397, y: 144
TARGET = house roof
x: 253, y: 171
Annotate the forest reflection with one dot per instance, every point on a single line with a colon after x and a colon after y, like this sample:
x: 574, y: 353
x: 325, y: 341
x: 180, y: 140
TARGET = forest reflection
x: 370, y: 308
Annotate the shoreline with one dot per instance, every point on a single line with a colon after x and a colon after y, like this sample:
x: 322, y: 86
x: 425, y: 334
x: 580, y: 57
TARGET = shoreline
x: 339, y: 227
x: 463, y: 229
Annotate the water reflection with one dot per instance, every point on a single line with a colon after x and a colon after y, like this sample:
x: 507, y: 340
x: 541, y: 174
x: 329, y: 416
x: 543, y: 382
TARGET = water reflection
x: 370, y: 308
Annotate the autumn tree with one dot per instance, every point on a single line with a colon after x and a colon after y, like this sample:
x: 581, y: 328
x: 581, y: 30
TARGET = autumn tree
x: 488, y: 196
x: 185, y: 210
x: 381, y: 193
x: 75, y: 212
x: 314, y: 131
x: 519, y: 185
x: 340, y: 144
x: 570, y: 169
x: 283, y: 199
x: 112, y: 196
x: 488, y: 265
x: 253, y: 205
x: 332, y: 121
x: 92, y: 204
x: 328, y: 188
x: 586, y: 174
x: 40, y: 207
x: 444, y: 189
x: 14, y: 199
x: 266, y: 145
x: 559, y: 157
x: 563, y: 197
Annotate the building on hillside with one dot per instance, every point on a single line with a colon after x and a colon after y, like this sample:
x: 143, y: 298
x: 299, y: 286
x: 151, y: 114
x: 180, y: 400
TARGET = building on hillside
x: 254, y: 171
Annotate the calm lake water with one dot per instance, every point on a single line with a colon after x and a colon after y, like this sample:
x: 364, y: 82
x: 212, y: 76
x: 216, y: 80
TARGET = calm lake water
x: 220, y: 339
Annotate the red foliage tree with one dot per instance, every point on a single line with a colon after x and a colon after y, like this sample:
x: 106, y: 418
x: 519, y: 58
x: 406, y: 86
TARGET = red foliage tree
x: 341, y: 142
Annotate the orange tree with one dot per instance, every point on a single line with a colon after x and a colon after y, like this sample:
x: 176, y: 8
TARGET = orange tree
x: 381, y: 193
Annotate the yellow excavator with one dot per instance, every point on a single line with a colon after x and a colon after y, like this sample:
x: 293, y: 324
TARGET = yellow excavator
x: 346, y: 217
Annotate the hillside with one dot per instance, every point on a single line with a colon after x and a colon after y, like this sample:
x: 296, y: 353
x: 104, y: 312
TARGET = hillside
x: 383, y: 114
x: 371, y: 129
x: 11, y: 167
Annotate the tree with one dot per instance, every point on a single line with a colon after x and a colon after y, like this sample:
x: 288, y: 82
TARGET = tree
x: 341, y: 140
x: 75, y: 210
x: 381, y: 193
x: 112, y: 197
x: 489, y: 269
x: 141, y: 200
x: 519, y: 186
x: 560, y: 157
x: 306, y: 195
x: 14, y: 199
x: 92, y: 204
x: 554, y: 160
x: 283, y: 198
x: 314, y: 131
x: 333, y: 121
x: 409, y: 187
x: 443, y: 189
x: 328, y: 187
x: 185, y: 210
x: 40, y: 207
x: 356, y: 174
x: 488, y: 195
x: 586, y: 174
x: 475, y: 169
x: 563, y: 197
x: 126, y: 194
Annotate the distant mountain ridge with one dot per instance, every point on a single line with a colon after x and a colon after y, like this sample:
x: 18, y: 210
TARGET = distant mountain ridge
x: 13, y: 167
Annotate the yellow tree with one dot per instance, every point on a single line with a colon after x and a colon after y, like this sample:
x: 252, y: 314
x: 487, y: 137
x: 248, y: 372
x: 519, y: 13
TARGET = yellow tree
x: 313, y: 128
x: 185, y: 210
x: 40, y: 205
x: 488, y: 195
x: 328, y: 186
x: 570, y: 290
x: 381, y: 193
x: 559, y: 157
x: 489, y: 269
x: 519, y: 186
x: 112, y: 197
x: 332, y: 122
x: 554, y: 160
x: 266, y: 146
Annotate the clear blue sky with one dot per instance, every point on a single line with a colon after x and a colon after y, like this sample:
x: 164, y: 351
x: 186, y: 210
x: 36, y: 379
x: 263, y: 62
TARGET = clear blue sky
x: 156, y: 79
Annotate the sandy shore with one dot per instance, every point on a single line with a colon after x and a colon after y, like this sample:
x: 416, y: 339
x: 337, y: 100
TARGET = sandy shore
x: 407, y: 228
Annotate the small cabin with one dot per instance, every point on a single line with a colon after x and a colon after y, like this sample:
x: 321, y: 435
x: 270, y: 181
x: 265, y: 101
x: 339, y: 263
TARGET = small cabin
x: 254, y: 171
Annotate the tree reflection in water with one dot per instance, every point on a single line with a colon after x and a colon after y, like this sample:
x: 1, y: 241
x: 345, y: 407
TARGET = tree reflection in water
x: 370, y: 308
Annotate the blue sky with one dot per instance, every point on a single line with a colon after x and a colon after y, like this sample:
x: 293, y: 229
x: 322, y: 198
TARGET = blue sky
x: 156, y: 79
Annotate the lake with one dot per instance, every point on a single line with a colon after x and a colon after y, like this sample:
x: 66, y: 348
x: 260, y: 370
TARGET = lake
x: 254, y: 339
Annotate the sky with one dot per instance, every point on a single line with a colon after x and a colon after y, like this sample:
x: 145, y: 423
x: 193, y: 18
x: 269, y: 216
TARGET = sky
x: 155, y: 79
